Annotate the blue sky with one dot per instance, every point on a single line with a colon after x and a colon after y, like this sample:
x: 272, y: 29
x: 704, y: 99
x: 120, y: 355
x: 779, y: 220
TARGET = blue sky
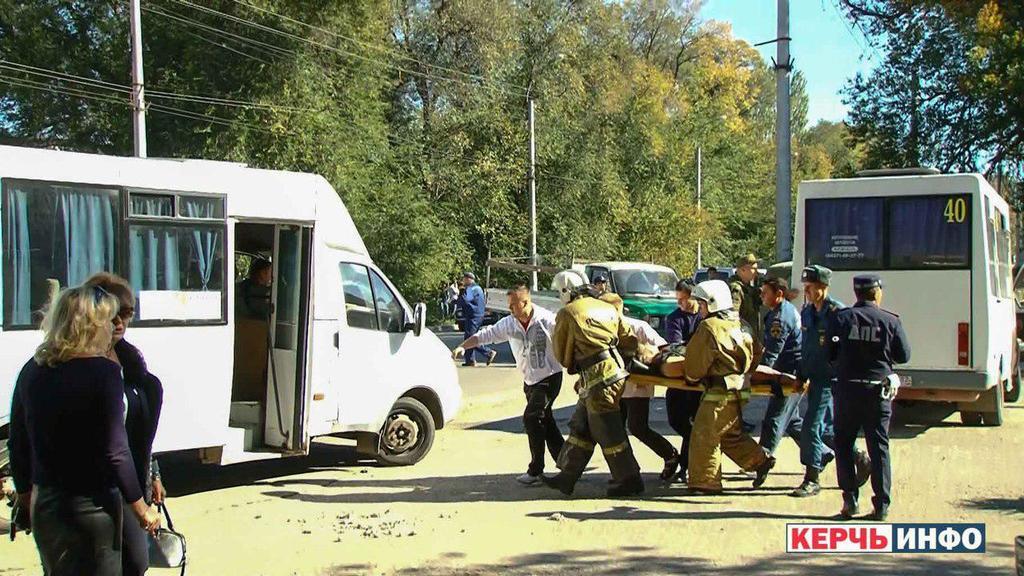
x: 824, y: 47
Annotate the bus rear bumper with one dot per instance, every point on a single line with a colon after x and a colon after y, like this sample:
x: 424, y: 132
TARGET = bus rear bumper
x: 943, y: 385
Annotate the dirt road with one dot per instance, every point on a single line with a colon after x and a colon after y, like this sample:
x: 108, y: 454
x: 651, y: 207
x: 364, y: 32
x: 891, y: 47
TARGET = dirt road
x: 461, y: 512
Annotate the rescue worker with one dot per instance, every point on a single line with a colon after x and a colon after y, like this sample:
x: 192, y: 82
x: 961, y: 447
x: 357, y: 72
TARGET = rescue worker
x: 472, y: 304
x: 865, y: 342
x: 592, y: 340
x: 782, y: 353
x: 816, y: 377
x: 528, y: 331
x: 601, y: 283
x: 718, y: 355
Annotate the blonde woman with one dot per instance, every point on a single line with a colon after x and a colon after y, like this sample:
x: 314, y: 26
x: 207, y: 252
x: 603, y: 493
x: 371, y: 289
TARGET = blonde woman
x: 69, y: 451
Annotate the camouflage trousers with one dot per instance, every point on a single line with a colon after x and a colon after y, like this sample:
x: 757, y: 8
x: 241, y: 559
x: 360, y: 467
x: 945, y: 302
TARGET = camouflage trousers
x: 717, y: 429
x: 598, y: 421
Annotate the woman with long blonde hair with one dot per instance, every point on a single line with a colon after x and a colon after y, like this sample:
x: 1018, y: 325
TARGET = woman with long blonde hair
x: 69, y: 450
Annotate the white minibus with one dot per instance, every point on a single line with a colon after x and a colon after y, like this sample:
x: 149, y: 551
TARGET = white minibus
x: 338, y: 350
x: 941, y: 245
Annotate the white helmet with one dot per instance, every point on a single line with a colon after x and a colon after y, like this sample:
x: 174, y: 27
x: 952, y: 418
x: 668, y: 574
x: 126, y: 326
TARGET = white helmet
x: 716, y: 293
x: 566, y: 282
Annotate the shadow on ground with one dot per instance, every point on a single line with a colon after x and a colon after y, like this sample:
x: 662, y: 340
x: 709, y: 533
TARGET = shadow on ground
x: 997, y: 504
x: 910, y: 419
x: 635, y: 560
x: 183, y: 475
x: 499, y: 488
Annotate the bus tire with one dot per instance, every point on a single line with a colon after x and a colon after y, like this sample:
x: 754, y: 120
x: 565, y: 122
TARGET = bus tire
x: 969, y: 418
x: 407, y: 434
x: 1012, y: 393
x: 995, y: 417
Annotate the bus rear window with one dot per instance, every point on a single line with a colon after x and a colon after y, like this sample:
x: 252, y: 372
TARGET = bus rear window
x: 845, y: 233
x: 929, y: 232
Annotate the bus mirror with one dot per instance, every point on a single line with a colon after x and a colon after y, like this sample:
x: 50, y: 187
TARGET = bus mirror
x: 419, y: 318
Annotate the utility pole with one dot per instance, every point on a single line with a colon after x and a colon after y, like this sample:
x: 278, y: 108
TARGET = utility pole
x: 533, y: 196
x: 138, y: 90
x: 783, y: 66
x: 698, y: 205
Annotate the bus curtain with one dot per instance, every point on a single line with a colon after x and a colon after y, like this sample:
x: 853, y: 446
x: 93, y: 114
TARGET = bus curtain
x: 206, y: 241
x: 79, y: 242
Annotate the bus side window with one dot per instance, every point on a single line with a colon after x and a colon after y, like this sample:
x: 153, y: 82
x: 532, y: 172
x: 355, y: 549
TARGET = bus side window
x: 391, y: 316
x: 360, y: 311
x: 55, y: 235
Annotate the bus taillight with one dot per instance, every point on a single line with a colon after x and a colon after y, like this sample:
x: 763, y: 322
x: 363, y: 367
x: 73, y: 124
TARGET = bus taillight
x: 963, y: 331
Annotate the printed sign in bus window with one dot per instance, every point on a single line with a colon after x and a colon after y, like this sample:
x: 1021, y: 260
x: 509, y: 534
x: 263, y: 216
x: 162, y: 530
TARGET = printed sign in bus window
x: 845, y: 233
x: 929, y: 232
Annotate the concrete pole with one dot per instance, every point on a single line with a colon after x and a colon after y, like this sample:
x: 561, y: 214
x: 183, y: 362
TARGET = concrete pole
x: 783, y: 227
x: 699, y: 255
x: 138, y: 90
x: 533, y: 198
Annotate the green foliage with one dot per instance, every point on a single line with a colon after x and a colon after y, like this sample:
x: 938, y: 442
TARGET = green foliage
x: 415, y: 111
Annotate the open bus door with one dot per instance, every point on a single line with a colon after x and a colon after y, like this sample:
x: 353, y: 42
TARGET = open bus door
x: 288, y: 366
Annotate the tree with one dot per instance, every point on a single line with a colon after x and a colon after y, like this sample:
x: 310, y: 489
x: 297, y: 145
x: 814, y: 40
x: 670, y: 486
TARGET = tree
x: 947, y: 91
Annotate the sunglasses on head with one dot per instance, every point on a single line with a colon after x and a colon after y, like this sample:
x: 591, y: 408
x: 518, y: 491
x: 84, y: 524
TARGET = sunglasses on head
x: 98, y: 294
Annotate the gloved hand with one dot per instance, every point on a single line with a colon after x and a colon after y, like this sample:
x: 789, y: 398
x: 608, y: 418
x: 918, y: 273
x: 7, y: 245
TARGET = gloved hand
x: 458, y: 352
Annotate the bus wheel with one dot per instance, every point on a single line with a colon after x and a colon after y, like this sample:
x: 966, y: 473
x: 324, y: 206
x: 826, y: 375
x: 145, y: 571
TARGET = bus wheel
x: 407, y: 434
x: 1013, y: 386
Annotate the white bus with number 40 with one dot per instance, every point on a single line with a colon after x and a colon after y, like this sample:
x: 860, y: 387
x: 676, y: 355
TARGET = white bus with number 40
x: 941, y: 244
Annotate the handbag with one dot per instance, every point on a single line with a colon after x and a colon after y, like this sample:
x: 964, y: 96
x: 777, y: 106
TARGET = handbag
x: 167, y: 547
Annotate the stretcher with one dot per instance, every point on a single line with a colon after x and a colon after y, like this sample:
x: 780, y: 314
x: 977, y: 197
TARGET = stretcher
x: 759, y: 381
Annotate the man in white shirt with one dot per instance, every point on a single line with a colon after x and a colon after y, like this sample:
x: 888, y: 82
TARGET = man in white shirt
x: 528, y: 331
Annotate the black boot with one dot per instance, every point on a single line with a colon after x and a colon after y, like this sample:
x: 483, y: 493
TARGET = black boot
x: 850, y: 507
x: 561, y: 482
x: 809, y: 487
x: 629, y: 487
x: 671, y: 465
x: 763, y: 470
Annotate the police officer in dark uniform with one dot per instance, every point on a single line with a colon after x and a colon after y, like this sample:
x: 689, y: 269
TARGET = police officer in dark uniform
x: 865, y: 342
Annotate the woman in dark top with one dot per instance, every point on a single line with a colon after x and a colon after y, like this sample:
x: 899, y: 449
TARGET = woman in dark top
x: 681, y: 405
x: 70, y: 457
x: 144, y: 395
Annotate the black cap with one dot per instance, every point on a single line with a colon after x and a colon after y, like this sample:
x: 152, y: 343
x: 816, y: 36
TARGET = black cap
x: 815, y: 273
x: 600, y: 278
x: 866, y: 282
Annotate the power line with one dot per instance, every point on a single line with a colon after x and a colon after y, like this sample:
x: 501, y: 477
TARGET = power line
x: 166, y: 95
x: 54, y: 74
x: 836, y: 7
x: 225, y: 46
x: 377, y: 47
x: 76, y: 92
x: 335, y: 49
x: 276, y: 50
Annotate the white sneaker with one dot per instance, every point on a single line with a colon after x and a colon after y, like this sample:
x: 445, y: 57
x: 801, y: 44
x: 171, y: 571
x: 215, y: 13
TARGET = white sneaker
x: 527, y: 479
